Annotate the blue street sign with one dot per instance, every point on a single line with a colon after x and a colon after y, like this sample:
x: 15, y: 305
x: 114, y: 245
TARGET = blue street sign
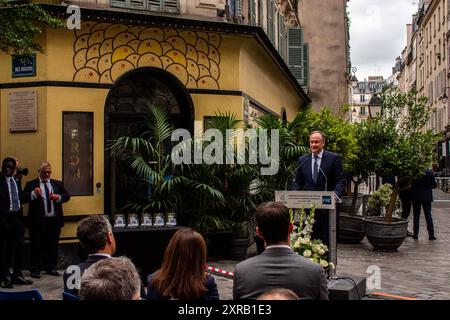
x: 24, y: 66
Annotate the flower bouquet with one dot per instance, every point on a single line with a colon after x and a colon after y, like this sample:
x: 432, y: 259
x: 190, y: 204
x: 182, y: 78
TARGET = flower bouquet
x: 302, y: 243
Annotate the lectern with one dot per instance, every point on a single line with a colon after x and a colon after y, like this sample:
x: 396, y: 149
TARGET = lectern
x: 318, y: 200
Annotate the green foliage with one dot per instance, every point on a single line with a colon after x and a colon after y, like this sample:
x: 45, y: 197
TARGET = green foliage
x: 379, y: 200
x: 339, y: 133
x: 290, y: 149
x: 401, y: 147
x: 20, y: 23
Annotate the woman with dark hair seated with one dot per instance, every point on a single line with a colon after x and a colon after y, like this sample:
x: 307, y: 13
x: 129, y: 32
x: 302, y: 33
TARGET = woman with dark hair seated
x: 183, y: 272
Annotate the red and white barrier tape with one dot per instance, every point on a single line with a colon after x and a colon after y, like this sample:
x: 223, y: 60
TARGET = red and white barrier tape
x: 220, y: 272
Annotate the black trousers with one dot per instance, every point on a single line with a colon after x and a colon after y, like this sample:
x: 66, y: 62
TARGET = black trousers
x: 406, y: 208
x: 426, y: 205
x: 44, y: 245
x: 12, y: 245
x: 321, y: 227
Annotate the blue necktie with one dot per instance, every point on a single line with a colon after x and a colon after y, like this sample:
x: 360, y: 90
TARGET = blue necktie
x: 316, y: 170
x: 14, y: 195
x: 47, y: 196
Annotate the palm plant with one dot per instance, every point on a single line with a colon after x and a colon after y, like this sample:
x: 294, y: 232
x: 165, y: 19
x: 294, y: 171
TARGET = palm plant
x: 149, y: 157
x: 290, y: 149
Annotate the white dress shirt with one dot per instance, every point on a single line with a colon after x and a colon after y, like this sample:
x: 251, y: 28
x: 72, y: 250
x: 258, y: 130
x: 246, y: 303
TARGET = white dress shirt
x: 319, y: 161
x: 8, y: 179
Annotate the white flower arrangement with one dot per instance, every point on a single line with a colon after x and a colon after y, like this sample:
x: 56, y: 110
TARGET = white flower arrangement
x: 302, y: 244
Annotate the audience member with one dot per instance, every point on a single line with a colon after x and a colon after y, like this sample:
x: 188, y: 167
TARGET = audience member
x: 111, y: 279
x: 97, y: 239
x: 183, y: 271
x: 278, y: 266
x: 278, y: 294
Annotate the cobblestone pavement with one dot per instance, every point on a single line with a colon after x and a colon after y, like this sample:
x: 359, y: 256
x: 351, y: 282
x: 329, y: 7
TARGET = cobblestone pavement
x: 420, y: 269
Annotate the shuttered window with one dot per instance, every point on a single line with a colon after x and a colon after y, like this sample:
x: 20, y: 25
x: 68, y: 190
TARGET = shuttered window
x: 295, y: 54
x: 252, y: 12
x: 238, y: 9
x: 168, y: 6
x: 281, y: 36
x: 270, y: 22
x: 305, y: 80
x: 261, y: 13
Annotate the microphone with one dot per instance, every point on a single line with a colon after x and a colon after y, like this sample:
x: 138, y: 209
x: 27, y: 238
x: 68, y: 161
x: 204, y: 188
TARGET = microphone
x: 326, y: 180
x: 338, y: 200
x: 299, y: 166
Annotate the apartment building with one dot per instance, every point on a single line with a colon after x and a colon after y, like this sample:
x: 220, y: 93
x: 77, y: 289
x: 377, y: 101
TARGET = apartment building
x: 425, y: 65
x: 363, y: 94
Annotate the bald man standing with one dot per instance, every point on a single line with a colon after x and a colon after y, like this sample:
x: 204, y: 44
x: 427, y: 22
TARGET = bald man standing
x: 45, y: 218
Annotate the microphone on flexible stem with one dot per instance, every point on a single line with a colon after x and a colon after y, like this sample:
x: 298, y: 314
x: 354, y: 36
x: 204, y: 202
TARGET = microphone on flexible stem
x: 326, y: 186
x: 299, y: 166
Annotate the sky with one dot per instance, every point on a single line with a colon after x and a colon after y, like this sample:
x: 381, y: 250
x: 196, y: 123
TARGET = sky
x: 378, y: 34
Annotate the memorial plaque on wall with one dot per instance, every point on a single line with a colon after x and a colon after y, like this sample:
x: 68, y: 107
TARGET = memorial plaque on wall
x: 22, y: 110
x: 78, y: 153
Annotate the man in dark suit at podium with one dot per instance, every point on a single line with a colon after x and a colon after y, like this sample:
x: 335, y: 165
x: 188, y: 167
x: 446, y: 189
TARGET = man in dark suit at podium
x: 320, y: 171
x: 45, y: 219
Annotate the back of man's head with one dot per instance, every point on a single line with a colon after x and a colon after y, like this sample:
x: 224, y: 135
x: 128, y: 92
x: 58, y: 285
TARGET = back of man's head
x: 93, y: 233
x: 111, y: 279
x: 273, y: 221
x: 278, y: 294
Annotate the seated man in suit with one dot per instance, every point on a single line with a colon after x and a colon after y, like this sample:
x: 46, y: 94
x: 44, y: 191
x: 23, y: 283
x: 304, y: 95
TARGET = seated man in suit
x: 97, y: 239
x: 278, y: 266
x: 320, y: 171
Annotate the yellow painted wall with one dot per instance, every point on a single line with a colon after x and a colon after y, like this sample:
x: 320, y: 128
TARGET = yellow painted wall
x: 262, y: 80
x: 244, y: 66
x: 29, y: 147
x: 80, y: 100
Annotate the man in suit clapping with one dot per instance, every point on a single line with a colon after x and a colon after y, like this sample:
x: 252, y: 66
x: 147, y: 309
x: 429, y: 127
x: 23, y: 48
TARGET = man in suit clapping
x: 45, y: 218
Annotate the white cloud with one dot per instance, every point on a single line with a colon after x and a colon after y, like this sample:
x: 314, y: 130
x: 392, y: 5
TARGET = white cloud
x: 378, y: 34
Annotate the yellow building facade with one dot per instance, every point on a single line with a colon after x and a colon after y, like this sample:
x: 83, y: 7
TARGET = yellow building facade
x: 116, y: 60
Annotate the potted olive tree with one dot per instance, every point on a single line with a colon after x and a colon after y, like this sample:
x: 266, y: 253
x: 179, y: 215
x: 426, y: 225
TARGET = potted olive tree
x: 401, y: 149
x: 358, y: 168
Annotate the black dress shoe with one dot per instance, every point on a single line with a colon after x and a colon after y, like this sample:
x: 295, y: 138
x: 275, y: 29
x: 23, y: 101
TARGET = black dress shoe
x: 6, y: 284
x: 52, y: 272
x: 415, y: 237
x: 21, y: 280
x: 409, y: 234
x: 35, y: 274
x: 432, y: 238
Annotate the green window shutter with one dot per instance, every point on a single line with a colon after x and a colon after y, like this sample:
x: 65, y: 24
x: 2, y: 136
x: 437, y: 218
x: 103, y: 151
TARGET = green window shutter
x: 171, y: 6
x: 305, y: 65
x: 137, y: 4
x: 295, y: 54
x: 281, y: 35
x: 155, y: 5
x: 252, y: 12
x: 261, y: 12
x: 270, y: 22
x: 119, y: 3
x: 238, y: 9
